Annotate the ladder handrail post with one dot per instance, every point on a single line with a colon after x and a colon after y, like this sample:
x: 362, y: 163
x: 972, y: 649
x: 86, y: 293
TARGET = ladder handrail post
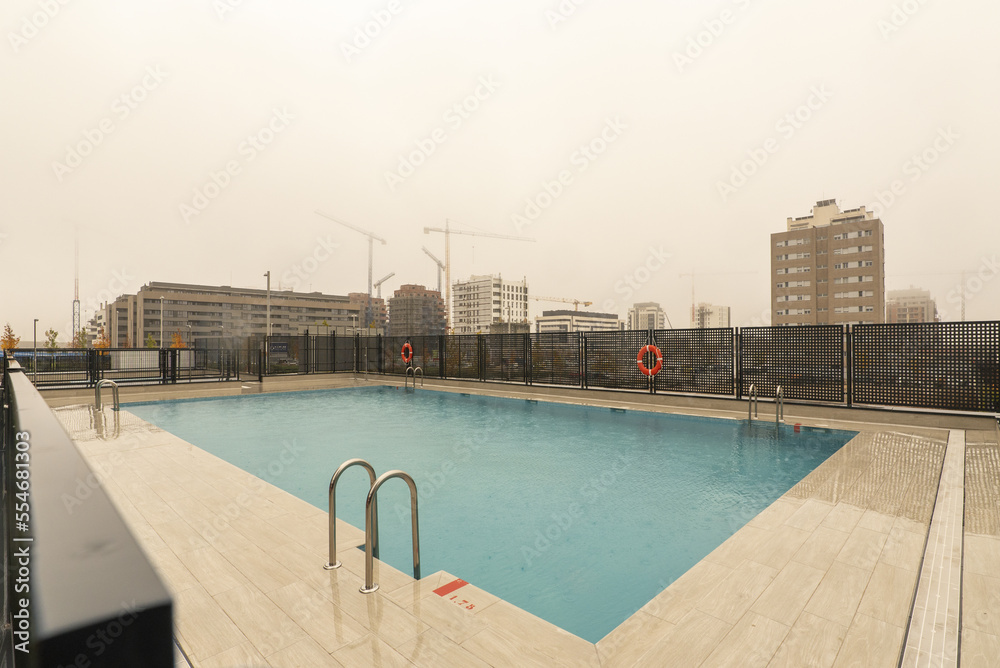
x: 333, y: 561
x: 779, y: 408
x: 107, y: 382
x: 752, y: 401
x: 371, y: 528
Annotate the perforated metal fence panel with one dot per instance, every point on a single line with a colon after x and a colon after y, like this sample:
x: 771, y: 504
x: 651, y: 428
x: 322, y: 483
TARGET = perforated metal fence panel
x: 611, y: 359
x: 695, y: 360
x: 555, y: 358
x: 806, y: 362
x: 369, y: 351
x: 461, y: 358
x: 344, y: 353
x: 505, y: 357
x: 947, y: 365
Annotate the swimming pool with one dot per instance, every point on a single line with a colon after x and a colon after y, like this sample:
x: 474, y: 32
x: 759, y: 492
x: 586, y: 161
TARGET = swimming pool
x: 579, y: 515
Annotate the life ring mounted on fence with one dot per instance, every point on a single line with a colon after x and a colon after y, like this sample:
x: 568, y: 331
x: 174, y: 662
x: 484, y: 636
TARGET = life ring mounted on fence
x: 407, y: 352
x: 656, y: 367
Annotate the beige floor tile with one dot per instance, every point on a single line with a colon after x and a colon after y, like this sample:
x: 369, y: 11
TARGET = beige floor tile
x: 205, y: 627
x: 313, y: 611
x: 979, y: 650
x: 788, y: 593
x: 370, y: 652
x: 981, y: 603
x: 212, y: 570
x: 779, y: 548
x: 777, y: 513
x: 432, y: 650
x: 260, y: 568
x: 243, y: 655
x: 504, y: 650
x: 304, y: 654
x: 548, y: 639
x: 386, y: 577
x: 260, y: 620
x: 870, y: 642
x: 838, y: 595
x: 862, y: 548
x: 982, y: 554
x: 903, y: 548
x: 843, y: 517
x: 876, y: 521
x: 739, y: 547
x: 809, y: 515
x: 173, y: 572
x: 821, y: 548
x: 416, y: 590
x: 676, y: 601
x: 889, y: 594
x: 690, y: 643
x: 449, y: 618
x: 631, y: 639
x: 380, y: 615
x: 752, y: 642
x: 812, y: 641
x: 732, y: 597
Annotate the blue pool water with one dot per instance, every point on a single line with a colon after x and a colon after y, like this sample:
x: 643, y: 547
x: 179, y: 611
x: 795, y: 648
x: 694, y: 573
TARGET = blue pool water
x: 579, y: 515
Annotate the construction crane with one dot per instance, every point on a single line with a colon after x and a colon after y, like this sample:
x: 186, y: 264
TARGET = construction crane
x: 692, y: 274
x: 439, y: 264
x: 76, y: 290
x: 575, y: 302
x: 379, y: 282
x: 372, y: 237
x: 447, y: 231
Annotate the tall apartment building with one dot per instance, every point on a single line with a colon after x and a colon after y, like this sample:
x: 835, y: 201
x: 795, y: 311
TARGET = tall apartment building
x: 912, y: 305
x: 484, y: 300
x: 416, y: 311
x: 647, y: 315
x: 577, y: 321
x: 205, y: 311
x: 708, y: 316
x: 380, y: 317
x: 829, y: 268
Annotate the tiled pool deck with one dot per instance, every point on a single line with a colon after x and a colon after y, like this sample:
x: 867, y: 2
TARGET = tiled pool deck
x: 826, y: 576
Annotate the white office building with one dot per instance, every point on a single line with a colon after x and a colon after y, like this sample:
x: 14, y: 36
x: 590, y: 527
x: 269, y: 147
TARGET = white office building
x: 647, y: 315
x: 577, y: 321
x: 483, y: 300
x: 707, y: 316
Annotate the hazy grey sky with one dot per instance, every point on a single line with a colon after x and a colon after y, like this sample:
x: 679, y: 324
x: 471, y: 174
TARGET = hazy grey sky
x: 192, y: 141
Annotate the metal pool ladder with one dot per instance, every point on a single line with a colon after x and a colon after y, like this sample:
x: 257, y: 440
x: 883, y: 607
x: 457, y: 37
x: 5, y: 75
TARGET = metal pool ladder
x: 114, y: 393
x: 371, y: 528
x: 779, y: 408
x: 414, y: 369
x: 333, y: 561
x: 752, y: 402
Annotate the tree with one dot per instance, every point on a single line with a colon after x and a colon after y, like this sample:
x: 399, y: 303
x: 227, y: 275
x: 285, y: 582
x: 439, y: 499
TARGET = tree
x: 50, y: 338
x: 176, y: 341
x: 8, y: 341
x: 150, y: 341
x: 128, y: 341
x: 80, y: 340
x: 102, y: 339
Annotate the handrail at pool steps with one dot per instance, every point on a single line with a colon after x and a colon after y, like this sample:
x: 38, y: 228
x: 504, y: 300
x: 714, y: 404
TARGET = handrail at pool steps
x: 333, y: 561
x: 752, y: 401
x: 779, y: 408
x: 371, y: 528
x: 414, y: 370
x: 114, y: 394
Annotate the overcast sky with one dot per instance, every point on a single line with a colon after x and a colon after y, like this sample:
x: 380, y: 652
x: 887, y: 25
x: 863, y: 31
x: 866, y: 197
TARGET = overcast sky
x: 193, y: 140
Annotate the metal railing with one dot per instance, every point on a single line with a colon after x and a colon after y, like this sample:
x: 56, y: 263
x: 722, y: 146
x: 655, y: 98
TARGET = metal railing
x: 333, y: 561
x: 752, y: 402
x: 413, y: 371
x: 116, y: 404
x: 779, y: 405
x: 371, y: 528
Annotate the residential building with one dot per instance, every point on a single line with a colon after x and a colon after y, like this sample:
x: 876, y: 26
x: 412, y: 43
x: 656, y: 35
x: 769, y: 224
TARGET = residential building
x: 510, y: 328
x: 647, y: 315
x: 416, y: 311
x: 912, y: 305
x: 577, y: 321
x: 380, y: 317
x: 205, y: 311
x: 828, y: 268
x: 708, y: 316
x: 484, y: 300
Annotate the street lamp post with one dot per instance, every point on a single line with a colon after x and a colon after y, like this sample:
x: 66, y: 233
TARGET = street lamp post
x: 161, y: 322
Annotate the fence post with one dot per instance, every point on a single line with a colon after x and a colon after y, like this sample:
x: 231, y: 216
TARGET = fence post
x: 174, y: 355
x: 480, y: 355
x: 738, y: 345
x: 381, y: 353
x: 650, y: 340
x: 527, y: 359
x: 308, y: 352
x: 260, y: 366
x: 849, y: 370
x: 91, y: 367
x: 442, y: 342
x: 581, y: 347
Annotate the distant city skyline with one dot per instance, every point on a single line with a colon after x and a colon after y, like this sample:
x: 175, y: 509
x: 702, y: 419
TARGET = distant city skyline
x: 637, y: 145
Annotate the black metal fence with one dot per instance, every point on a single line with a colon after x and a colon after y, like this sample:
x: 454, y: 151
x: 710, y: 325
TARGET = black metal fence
x: 949, y: 366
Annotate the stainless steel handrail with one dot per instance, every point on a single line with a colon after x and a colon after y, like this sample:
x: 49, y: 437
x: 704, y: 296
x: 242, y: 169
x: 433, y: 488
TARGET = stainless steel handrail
x: 752, y: 401
x: 333, y: 561
x: 779, y: 409
x: 414, y: 369
x: 114, y: 393
x: 371, y: 528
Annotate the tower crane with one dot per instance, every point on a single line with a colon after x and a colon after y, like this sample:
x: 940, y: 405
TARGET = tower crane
x: 372, y: 237
x: 447, y: 231
x: 575, y: 302
x: 379, y: 282
x: 439, y: 264
x: 692, y: 274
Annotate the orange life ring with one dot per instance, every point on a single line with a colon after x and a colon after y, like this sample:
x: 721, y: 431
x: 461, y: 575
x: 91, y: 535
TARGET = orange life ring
x: 407, y: 352
x: 659, y: 360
